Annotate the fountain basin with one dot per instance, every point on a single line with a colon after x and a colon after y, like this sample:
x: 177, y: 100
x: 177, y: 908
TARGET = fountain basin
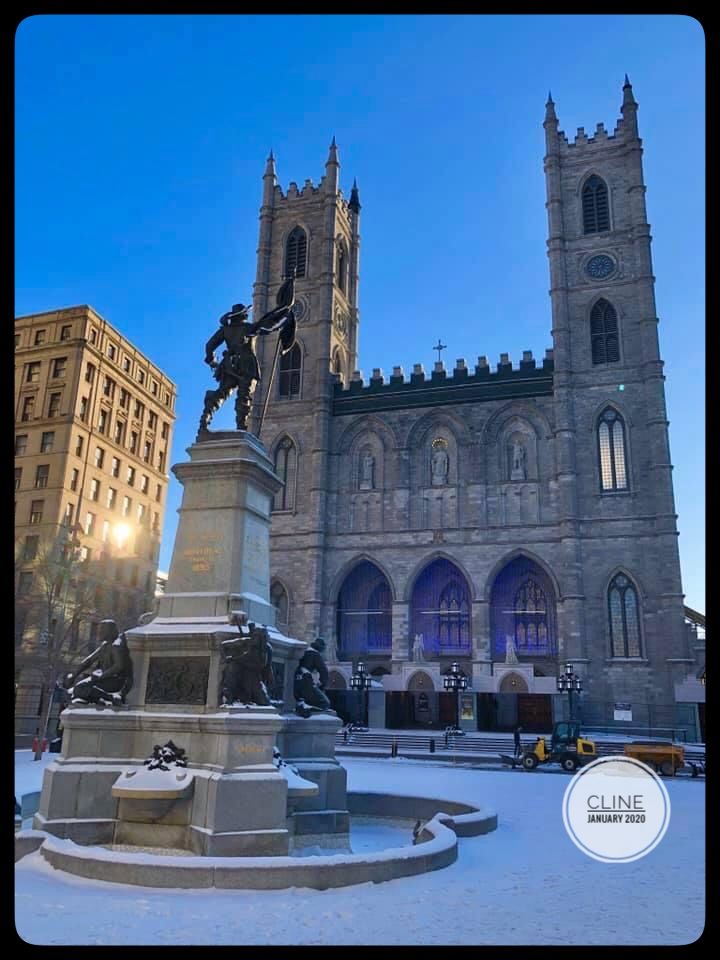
x: 436, y: 848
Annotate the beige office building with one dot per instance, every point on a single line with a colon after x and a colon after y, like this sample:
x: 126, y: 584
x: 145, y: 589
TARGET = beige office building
x: 93, y: 430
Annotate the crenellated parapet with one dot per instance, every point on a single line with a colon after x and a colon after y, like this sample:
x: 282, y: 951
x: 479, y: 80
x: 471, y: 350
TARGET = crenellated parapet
x: 464, y: 384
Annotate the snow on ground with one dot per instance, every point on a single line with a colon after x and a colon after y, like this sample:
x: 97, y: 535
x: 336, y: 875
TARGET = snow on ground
x: 526, y: 883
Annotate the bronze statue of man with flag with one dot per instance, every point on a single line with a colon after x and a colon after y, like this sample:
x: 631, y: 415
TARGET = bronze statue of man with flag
x: 238, y: 370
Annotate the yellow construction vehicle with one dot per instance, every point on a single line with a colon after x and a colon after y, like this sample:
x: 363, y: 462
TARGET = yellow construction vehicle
x: 567, y: 748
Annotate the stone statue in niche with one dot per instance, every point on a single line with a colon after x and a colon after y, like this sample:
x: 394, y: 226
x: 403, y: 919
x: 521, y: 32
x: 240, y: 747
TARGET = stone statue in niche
x: 439, y: 463
x: 367, y: 471
x: 418, y: 648
x: 517, y: 462
x: 510, y: 654
x: 248, y: 664
x: 310, y: 696
x: 108, y: 670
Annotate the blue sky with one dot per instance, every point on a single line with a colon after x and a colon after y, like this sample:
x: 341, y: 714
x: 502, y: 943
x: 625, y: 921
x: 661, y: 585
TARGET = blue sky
x: 141, y: 142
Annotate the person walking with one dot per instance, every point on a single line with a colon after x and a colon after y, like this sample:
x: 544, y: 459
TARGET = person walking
x: 518, y: 745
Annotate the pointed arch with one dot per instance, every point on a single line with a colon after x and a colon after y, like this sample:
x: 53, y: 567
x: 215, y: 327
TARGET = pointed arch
x: 604, y: 332
x: 624, y: 617
x: 342, y: 261
x: 364, y: 612
x: 280, y: 599
x: 523, y: 609
x: 285, y: 464
x: 513, y: 683
x: 296, y: 247
x: 595, y: 205
x: 612, y: 451
x: 420, y: 682
x: 441, y: 608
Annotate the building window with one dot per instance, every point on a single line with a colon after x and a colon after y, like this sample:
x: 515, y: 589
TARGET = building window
x: 47, y: 442
x: 105, y: 535
x: 154, y: 388
x: 126, y: 364
x: 611, y: 444
x: 79, y: 447
x: 115, y: 467
x: 42, y: 474
x: 531, y: 619
x: 604, y: 339
x: 624, y: 616
x: 131, y: 476
x: 69, y: 511
x: 25, y: 583
x: 126, y: 506
x: 18, y: 477
x: 94, y: 489
x: 65, y: 332
x: 596, y: 213
x: 342, y: 268
x: 32, y: 372
x: 279, y: 599
x: 161, y: 461
x: 89, y: 523
x: 156, y: 522
x: 59, y: 367
x: 54, y: 405
x: 296, y: 253
x: 286, y: 469
x: 144, y: 483
x: 139, y: 410
x: 74, y: 477
x: 99, y: 457
x: 364, y: 612
x: 109, y: 388
x: 21, y: 444
x: 158, y: 492
x: 152, y: 420
x: 119, y: 432
x: 83, y: 413
x: 124, y: 398
x: 89, y: 373
x: 39, y: 337
x: 31, y: 548
x: 141, y: 512
x: 17, y: 340
x: 28, y: 409
x: 290, y: 370
x: 111, y: 498
x: 102, y: 421
x: 147, y: 451
x: 164, y: 431
x: 36, y: 511
x: 93, y: 335
x: 133, y: 441
x: 111, y: 351
x: 141, y: 377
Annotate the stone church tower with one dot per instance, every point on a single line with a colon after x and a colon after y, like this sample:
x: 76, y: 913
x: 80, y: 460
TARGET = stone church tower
x: 315, y: 231
x: 506, y: 518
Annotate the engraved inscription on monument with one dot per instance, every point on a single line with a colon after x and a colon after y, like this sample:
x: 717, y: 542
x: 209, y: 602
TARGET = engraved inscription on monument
x: 177, y: 680
x: 202, y: 557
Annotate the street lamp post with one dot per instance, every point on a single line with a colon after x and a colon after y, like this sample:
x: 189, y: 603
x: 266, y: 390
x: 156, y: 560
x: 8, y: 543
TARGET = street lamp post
x: 455, y: 682
x: 362, y: 681
x: 569, y: 682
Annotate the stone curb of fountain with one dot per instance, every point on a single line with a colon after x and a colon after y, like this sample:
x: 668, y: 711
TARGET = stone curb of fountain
x: 437, y: 848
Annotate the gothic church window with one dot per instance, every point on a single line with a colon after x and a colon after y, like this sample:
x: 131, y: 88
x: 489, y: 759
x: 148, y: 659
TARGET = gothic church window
x: 286, y: 468
x: 611, y: 445
x: 296, y: 253
x: 279, y: 599
x: 290, y: 370
x: 624, y: 617
x: 531, y: 619
x: 604, y: 340
x: 342, y: 268
x: 596, y: 212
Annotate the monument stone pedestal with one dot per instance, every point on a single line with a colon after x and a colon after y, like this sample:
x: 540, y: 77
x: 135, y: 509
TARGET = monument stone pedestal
x: 231, y: 799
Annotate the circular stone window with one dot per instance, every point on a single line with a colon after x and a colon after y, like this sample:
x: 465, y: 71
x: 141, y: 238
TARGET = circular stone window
x: 600, y: 267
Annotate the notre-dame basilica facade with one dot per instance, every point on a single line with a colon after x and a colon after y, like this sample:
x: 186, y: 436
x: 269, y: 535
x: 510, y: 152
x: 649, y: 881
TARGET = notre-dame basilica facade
x: 507, y: 517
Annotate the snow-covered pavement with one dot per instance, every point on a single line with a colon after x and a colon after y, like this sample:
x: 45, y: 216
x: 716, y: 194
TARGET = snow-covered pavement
x: 526, y: 883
